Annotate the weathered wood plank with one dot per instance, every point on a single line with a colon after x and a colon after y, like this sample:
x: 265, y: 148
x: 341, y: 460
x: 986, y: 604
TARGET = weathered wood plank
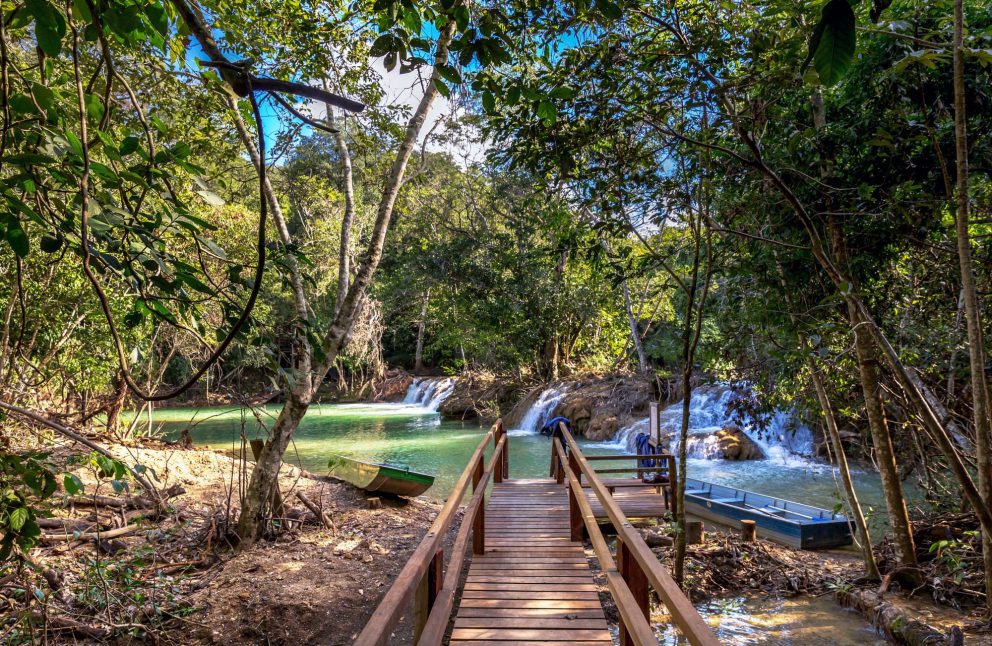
x: 526, y: 634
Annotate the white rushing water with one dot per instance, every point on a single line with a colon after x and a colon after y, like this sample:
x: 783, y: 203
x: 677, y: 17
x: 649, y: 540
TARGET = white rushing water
x: 540, y: 411
x: 429, y: 392
x: 781, y: 437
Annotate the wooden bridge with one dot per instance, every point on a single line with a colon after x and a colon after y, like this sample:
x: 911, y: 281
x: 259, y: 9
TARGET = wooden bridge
x: 529, y: 580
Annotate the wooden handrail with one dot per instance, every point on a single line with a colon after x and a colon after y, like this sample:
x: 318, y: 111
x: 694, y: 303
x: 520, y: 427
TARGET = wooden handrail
x: 629, y: 456
x: 637, y: 625
x: 401, y: 594
x: 683, y: 613
x: 437, y: 622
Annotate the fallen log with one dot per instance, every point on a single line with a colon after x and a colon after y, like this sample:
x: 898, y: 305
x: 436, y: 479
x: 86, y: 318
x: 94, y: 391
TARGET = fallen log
x: 893, y: 621
x: 89, y: 536
x: 130, y: 502
x: 55, y: 623
x: 318, y: 512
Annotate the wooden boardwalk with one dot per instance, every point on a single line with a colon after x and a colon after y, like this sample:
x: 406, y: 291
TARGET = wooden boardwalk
x: 528, y: 581
x: 532, y: 585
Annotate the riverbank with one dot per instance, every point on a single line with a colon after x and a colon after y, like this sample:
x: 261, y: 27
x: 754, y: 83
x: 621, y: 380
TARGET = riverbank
x: 175, y: 577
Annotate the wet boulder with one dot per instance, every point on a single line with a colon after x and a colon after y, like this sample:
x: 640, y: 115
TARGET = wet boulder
x: 732, y: 443
x: 393, y: 387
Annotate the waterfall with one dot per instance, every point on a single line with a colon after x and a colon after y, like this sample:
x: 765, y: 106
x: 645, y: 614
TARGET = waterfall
x: 429, y: 393
x: 711, y: 410
x: 541, y: 410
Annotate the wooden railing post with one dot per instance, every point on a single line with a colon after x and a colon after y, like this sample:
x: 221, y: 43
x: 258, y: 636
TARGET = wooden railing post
x: 505, y: 462
x: 479, y: 524
x: 557, y: 468
x: 673, y: 480
x: 498, y: 472
x: 575, y: 522
x: 427, y: 592
x: 637, y: 582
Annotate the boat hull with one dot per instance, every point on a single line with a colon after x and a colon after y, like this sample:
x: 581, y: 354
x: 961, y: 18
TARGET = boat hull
x: 380, y: 478
x: 783, y: 521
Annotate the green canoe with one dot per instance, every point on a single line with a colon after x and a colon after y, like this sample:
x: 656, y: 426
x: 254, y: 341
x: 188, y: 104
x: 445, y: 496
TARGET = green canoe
x: 381, y: 478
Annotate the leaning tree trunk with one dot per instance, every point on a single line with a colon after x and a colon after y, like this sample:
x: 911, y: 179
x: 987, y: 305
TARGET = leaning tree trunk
x: 264, y: 475
x: 881, y: 438
x: 871, y: 567
x: 976, y: 343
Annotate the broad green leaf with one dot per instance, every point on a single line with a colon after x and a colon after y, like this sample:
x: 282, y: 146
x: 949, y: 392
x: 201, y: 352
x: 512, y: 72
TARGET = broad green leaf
x: 837, y: 42
x: 488, y: 102
x: 546, y: 112
x: 442, y: 87
x: 49, y: 26
x: 43, y: 95
x: 50, y: 243
x: 72, y: 484
x: 17, y: 518
x: 17, y: 238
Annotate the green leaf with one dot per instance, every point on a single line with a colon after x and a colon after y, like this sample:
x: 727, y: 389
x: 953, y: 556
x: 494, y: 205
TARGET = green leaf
x: 17, y: 238
x: 382, y: 46
x: 43, y: 95
x: 94, y: 107
x: 449, y: 73
x: 49, y: 26
x: 442, y: 88
x: 462, y: 17
x: 834, y: 42
x: 129, y: 145
x: 17, y: 518
x: 546, y: 112
x: 72, y: 484
x: 23, y: 104
x: 488, y: 102
x: 50, y: 243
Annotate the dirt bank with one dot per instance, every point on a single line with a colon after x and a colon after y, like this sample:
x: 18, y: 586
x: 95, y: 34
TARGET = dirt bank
x: 175, y: 578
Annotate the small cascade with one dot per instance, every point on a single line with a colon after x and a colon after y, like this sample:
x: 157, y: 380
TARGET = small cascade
x: 429, y: 392
x: 541, y: 410
x: 711, y: 410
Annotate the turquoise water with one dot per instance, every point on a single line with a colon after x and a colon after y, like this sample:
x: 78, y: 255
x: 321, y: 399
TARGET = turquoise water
x: 418, y: 438
x: 399, y: 434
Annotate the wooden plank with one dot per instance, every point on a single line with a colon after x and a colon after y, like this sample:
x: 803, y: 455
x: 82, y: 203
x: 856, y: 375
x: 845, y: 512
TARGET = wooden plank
x: 526, y: 634
x: 573, y: 582
x: 486, y: 642
x: 556, y: 603
x: 525, y: 586
x: 551, y: 613
x: 562, y: 595
x: 529, y: 622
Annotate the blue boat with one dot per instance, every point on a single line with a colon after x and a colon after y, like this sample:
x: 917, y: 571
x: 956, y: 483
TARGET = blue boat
x: 783, y: 521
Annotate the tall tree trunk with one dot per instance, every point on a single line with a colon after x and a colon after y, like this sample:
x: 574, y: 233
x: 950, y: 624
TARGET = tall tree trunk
x: 871, y: 387
x: 976, y: 344
x: 265, y: 473
x: 635, y: 333
x: 418, y: 359
x: 348, y: 219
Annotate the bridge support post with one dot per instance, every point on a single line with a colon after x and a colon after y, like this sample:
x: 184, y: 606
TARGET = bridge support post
x: 427, y: 592
x: 637, y: 582
x: 479, y: 524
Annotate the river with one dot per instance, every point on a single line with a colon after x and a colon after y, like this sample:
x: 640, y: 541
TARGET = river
x: 413, y: 434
